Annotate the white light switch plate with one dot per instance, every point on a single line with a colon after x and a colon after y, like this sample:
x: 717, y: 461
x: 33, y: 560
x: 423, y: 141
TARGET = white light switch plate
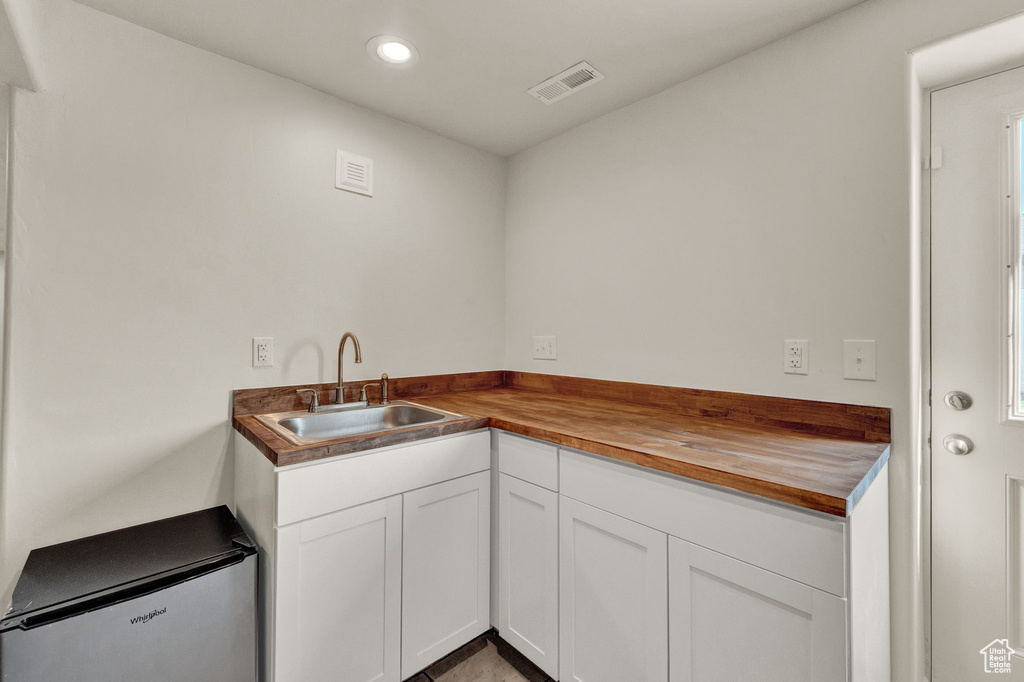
x: 794, y: 357
x: 859, y: 360
x: 544, y: 348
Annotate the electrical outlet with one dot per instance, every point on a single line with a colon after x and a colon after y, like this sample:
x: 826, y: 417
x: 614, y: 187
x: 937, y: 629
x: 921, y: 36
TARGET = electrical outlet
x: 794, y: 357
x: 262, y: 351
x: 544, y: 348
x: 859, y: 360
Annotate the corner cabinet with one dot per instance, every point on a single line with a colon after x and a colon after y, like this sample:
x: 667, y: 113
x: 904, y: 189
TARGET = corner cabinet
x: 663, y: 578
x: 527, y: 549
x: 614, y: 597
x: 372, y: 565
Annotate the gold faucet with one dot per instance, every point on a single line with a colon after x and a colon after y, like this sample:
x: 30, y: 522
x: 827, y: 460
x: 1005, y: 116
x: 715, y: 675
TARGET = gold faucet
x: 340, y: 399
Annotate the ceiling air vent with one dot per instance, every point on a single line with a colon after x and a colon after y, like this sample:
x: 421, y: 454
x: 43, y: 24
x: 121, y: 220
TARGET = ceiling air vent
x: 564, y: 84
x: 354, y: 174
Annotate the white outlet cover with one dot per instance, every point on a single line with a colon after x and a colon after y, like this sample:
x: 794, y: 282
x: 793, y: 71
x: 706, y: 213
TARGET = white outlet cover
x: 262, y: 351
x: 859, y: 360
x: 544, y: 348
x: 795, y: 358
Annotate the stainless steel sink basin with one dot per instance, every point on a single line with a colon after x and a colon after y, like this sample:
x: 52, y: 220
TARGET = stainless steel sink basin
x: 305, y: 427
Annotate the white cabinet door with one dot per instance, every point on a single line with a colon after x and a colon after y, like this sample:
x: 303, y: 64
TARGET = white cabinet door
x: 339, y: 596
x: 729, y: 620
x: 528, y: 570
x: 445, y: 568
x: 614, y: 597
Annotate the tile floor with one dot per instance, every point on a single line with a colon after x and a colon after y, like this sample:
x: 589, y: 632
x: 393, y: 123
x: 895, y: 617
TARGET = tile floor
x: 488, y: 658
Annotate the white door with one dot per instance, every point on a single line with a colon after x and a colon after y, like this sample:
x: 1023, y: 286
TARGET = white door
x: 446, y: 567
x: 613, y: 597
x: 339, y: 596
x: 528, y: 570
x: 729, y: 620
x: 977, y: 503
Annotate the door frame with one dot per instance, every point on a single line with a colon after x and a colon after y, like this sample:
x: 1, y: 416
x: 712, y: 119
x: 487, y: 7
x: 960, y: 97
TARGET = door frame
x: 923, y: 79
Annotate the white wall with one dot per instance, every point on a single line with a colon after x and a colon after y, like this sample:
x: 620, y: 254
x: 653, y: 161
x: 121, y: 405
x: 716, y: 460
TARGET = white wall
x: 680, y: 240
x: 21, y: 43
x: 171, y: 204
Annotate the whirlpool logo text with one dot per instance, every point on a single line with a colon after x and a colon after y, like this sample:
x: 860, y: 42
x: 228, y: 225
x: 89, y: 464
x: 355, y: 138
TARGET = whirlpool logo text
x: 148, y: 617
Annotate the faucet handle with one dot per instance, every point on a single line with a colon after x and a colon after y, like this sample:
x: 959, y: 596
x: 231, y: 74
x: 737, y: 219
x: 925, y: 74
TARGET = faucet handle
x: 314, y: 398
x: 384, y: 389
x: 362, y: 393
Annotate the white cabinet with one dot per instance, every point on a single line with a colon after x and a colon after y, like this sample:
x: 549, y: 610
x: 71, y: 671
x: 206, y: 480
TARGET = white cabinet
x: 731, y: 621
x: 339, y: 595
x: 370, y: 563
x: 614, y: 597
x: 759, y: 590
x: 445, y: 569
x: 373, y: 566
x: 527, y: 571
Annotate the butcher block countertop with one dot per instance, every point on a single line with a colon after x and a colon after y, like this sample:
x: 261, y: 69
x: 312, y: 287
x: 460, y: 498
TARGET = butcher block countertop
x: 819, y: 456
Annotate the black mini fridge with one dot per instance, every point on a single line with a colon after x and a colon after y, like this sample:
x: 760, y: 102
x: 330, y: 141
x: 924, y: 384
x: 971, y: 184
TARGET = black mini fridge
x: 168, y: 601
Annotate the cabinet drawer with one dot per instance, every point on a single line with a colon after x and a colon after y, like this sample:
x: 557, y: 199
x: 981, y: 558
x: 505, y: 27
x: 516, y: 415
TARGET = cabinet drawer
x: 804, y: 546
x: 528, y: 460
x: 322, y: 487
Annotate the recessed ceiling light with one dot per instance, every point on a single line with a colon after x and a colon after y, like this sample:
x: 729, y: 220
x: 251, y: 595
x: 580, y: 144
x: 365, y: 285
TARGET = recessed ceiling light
x: 392, y: 50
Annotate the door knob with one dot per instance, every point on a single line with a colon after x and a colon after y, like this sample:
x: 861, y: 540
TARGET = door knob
x: 958, y: 444
x: 958, y: 400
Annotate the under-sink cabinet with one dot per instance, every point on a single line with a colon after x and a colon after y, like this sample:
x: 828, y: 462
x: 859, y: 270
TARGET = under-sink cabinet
x: 372, y: 565
x: 445, y: 568
x: 338, y: 595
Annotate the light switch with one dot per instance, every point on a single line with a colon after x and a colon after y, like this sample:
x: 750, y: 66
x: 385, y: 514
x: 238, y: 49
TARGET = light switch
x: 859, y: 360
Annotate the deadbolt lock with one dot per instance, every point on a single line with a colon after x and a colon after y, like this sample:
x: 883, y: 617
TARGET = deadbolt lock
x: 958, y: 400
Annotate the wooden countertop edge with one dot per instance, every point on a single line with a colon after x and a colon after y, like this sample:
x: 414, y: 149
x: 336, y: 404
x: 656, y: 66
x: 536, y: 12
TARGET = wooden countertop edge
x: 799, y: 497
x: 282, y: 453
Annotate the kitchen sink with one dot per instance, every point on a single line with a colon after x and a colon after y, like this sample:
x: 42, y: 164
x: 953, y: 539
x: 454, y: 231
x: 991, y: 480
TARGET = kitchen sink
x: 304, y: 427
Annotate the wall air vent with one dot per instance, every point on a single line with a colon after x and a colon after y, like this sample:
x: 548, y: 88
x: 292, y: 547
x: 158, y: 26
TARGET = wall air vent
x: 354, y: 174
x: 564, y: 84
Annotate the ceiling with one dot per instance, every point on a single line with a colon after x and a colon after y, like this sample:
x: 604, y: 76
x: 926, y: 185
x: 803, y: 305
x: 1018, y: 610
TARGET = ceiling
x: 478, y: 57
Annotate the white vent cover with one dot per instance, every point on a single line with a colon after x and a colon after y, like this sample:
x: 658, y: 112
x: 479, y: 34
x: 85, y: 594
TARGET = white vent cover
x: 354, y: 173
x: 564, y: 84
